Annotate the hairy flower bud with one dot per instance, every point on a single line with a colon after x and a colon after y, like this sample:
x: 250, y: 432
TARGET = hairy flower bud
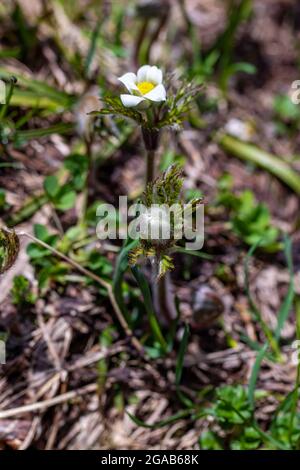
x: 155, y: 225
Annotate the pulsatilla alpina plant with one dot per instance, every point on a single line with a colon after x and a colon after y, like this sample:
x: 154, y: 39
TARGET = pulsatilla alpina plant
x: 154, y: 103
x: 160, y: 196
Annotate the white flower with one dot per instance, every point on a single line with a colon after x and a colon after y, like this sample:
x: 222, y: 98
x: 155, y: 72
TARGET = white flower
x: 145, y: 85
x: 155, y: 224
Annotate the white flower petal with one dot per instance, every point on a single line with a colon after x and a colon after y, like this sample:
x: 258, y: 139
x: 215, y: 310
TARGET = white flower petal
x: 142, y: 73
x: 157, y: 94
x: 129, y: 80
x: 131, y: 100
x: 154, y: 75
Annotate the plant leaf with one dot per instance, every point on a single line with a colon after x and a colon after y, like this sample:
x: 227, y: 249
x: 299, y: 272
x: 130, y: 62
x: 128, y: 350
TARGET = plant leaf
x: 143, y: 285
x: 182, y: 350
x: 288, y: 301
x: 267, y: 161
x: 254, y: 374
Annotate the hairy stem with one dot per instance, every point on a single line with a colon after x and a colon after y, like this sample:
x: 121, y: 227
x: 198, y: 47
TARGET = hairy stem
x: 162, y: 291
x: 150, y: 166
x: 163, y: 298
x: 151, y: 142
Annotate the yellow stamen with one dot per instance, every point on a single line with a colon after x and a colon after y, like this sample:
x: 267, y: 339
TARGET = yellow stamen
x: 145, y: 87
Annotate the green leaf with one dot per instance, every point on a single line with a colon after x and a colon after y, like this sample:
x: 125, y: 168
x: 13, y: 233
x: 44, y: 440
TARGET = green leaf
x: 2, y: 199
x: 34, y: 251
x: 210, y: 441
x: 21, y: 137
x: 26, y: 212
x: 249, y: 439
x: 66, y: 201
x: 275, y: 165
x: 40, y: 88
x: 232, y: 406
x: 121, y: 267
x: 122, y: 262
x: 254, y: 374
x: 114, y: 106
x: 21, y: 291
x: 41, y: 232
x: 51, y: 186
x: 160, y: 424
x: 242, y: 67
x: 92, y: 48
x: 288, y: 301
x: 143, y: 285
x: 179, y: 368
x: 286, y: 109
x: 181, y: 354
x: 77, y: 165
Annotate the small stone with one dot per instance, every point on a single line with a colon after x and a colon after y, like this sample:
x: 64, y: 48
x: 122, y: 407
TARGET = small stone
x: 207, y: 307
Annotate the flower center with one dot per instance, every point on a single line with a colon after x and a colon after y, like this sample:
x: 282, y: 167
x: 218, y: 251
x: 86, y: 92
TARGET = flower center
x: 145, y: 87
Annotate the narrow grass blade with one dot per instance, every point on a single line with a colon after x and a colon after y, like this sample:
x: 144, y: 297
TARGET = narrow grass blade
x: 288, y: 301
x: 199, y: 254
x: 27, y: 211
x: 62, y: 128
x: 92, y: 49
x: 164, y: 422
x: 143, y: 285
x: 268, y: 438
x: 179, y: 367
x: 122, y: 261
x: 265, y: 160
x: 41, y: 89
x: 181, y: 354
x: 254, y: 374
x: 121, y: 266
x: 31, y: 99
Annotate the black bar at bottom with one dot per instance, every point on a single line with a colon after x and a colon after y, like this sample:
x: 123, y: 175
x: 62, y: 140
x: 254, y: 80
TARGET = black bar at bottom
x: 145, y: 459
